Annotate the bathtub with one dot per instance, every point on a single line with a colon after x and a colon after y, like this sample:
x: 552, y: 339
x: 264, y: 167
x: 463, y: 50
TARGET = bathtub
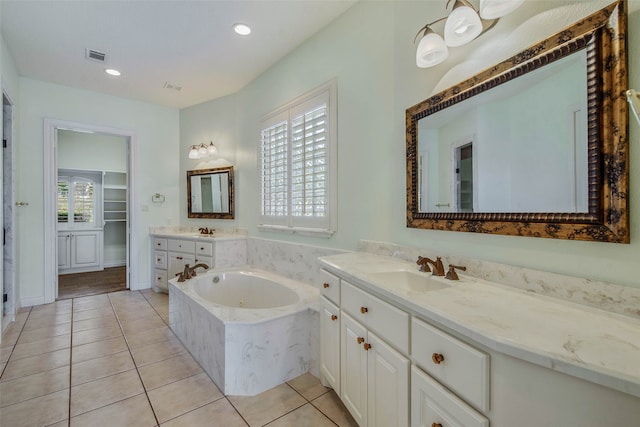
x: 249, y: 329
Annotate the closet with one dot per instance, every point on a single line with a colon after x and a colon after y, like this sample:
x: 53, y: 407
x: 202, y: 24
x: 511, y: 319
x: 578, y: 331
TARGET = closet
x: 92, y: 202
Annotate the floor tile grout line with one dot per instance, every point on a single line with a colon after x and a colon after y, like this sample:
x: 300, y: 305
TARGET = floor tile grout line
x: 70, y: 365
x: 134, y: 362
x: 15, y: 344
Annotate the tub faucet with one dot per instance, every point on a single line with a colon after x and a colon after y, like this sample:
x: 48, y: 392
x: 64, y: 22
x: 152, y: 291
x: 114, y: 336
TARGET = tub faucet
x: 190, y: 272
x: 438, y: 267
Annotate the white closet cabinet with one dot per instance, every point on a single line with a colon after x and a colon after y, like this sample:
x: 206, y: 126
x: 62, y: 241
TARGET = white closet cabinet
x: 79, y: 251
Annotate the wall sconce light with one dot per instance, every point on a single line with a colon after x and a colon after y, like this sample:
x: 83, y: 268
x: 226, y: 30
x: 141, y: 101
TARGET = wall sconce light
x: 634, y: 101
x: 201, y: 151
x: 462, y: 26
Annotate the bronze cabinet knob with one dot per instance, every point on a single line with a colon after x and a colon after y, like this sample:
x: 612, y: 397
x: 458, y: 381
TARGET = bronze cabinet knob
x: 437, y: 358
x: 334, y: 317
x: 360, y: 340
x: 325, y: 285
x: 363, y: 310
x: 367, y: 346
x: 436, y: 425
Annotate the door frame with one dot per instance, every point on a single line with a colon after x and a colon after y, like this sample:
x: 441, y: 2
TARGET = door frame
x: 50, y: 150
x: 10, y: 200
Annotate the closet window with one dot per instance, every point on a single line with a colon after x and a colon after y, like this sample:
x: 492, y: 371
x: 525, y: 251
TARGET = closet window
x: 298, y: 165
x: 76, y: 202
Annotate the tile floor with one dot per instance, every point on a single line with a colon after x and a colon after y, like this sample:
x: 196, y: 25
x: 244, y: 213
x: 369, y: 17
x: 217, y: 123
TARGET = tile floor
x: 111, y: 360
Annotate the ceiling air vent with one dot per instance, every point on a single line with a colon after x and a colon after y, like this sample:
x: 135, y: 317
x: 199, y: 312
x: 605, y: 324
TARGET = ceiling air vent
x: 176, y: 87
x: 94, y: 55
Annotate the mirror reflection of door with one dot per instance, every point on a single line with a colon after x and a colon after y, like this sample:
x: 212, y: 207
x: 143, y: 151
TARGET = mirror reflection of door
x: 464, y: 178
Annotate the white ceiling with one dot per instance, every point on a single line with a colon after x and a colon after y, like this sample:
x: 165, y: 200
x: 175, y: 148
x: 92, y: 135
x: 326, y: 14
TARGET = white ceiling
x: 184, y: 42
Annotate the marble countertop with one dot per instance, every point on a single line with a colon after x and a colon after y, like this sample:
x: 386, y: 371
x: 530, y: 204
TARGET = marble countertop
x: 585, y: 342
x: 197, y: 236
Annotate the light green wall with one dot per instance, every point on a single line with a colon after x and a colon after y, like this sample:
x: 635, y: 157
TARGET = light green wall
x: 91, y: 151
x: 370, y: 51
x: 155, y: 152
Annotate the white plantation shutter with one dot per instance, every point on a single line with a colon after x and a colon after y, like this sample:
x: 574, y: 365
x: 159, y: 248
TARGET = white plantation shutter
x: 274, y: 171
x: 297, y: 166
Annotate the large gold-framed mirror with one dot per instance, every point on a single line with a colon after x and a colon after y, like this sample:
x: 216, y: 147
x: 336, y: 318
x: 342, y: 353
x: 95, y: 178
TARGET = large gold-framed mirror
x: 464, y: 175
x: 210, y: 193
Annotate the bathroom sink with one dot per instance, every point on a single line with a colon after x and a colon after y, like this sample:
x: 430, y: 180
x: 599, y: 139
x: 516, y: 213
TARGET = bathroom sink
x: 409, y: 280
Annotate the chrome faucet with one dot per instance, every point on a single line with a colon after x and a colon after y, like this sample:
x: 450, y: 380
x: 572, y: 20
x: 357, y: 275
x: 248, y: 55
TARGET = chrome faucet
x: 438, y: 267
x: 190, y: 272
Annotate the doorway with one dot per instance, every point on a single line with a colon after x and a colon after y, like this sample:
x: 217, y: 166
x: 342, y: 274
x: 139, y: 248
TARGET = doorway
x: 89, y: 222
x: 464, y: 182
x: 8, y: 217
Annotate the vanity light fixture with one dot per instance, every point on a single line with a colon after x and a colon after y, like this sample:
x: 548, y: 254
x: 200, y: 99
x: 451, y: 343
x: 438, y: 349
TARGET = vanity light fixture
x: 462, y: 25
x: 634, y: 101
x: 201, y: 151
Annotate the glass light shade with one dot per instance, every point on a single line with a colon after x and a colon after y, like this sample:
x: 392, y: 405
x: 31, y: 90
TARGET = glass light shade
x: 634, y: 102
x: 431, y: 51
x: 193, y: 153
x: 492, y: 9
x: 202, y: 150
x: 462, y: 26
x: 212, y: 150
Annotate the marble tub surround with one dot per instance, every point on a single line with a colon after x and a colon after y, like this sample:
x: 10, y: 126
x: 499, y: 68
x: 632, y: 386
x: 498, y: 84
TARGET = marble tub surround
x: 591, y: 344
x: 618, y: 299
x: 246, y: 351
x: 295, y: 261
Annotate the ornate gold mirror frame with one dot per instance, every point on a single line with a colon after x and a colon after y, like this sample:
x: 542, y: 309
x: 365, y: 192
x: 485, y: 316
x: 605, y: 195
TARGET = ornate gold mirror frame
x: 603, y: 35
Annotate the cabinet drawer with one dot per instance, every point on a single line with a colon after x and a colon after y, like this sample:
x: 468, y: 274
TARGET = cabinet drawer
x: 389, y: 322
x: 160, y: 260
x: 186, y: 246
x: 432, y: 404
x: 330, y: 286
x: 204, y: 249
x: 160, y: 244
x: 463, y: 369
x: 160, y: 279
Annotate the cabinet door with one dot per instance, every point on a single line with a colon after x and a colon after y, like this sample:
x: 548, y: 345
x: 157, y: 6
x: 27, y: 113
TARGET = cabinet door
x: 433, y: 405
x: 353, y: 369
x: 64, y: 251
x: 387, y: 385
x: 177, y: 262
x: 330, y: 343
x: 85, y: 249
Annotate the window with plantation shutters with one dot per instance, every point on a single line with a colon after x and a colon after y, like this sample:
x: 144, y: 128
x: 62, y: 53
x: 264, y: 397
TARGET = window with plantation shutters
x: 297, y: 165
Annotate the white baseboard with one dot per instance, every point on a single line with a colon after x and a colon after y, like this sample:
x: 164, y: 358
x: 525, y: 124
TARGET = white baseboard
x: 111, y: 264
x: 28, y: 302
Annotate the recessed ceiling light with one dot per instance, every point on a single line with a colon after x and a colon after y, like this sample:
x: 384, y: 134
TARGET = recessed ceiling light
x: 242, y: 29
x: 112, y: 72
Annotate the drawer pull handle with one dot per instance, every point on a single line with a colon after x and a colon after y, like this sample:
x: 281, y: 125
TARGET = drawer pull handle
x: 367, y: 346
x: 158, y: 260
x: 178, y: 257
x: 334, y: 317
x: 360, y: 340
x: 437, y: 358
x: 158, y: 243
x: 436, y: 425
x: 202, y: 249
x: 325, y: 285
x: 363, y: 310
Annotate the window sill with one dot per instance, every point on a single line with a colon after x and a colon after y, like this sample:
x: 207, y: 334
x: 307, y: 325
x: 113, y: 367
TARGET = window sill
x: 308, y: 232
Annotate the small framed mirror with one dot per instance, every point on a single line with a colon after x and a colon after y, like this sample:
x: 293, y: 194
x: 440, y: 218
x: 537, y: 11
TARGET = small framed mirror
x: 210, y: 193
x: 484, y: 156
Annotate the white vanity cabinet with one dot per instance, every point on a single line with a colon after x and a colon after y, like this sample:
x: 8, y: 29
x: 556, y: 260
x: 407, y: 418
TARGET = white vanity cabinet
x: 375, y: 376
x: 79, y: 251
x: 330, y: 331
x: 171, y: 254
